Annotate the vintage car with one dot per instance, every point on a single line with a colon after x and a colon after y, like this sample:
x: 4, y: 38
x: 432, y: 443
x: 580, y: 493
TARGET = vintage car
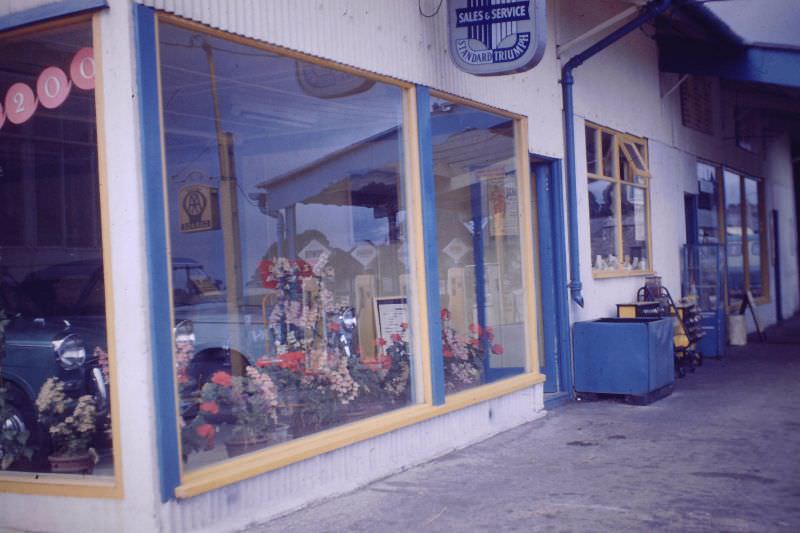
x: 57, y: 323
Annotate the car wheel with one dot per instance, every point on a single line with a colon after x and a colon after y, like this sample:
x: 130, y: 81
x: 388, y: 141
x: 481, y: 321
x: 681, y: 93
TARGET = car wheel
x: 17, y: 421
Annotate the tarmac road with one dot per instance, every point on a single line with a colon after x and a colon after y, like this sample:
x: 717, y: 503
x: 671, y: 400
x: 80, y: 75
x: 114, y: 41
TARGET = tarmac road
x: 722, y: 453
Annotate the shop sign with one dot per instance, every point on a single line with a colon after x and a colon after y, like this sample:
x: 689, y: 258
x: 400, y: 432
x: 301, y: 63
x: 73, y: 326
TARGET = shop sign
x: 492, y: 37
x: 313, y: 251
x: 52, y: 88
x: 324, y: 82
x: 364, y: 253
x: 199, y: 208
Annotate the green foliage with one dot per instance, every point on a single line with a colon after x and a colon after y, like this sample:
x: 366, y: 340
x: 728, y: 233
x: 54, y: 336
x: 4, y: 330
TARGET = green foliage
x: 12, y: 441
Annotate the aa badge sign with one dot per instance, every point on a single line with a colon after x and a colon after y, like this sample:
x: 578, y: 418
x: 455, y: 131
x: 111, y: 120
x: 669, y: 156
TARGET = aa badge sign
x: 492, y: 37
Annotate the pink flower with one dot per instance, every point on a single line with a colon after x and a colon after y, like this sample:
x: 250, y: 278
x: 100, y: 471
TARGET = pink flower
x: 497, y: 349
x: 445, y: 314
x: 396, y: 337
x: 380, y: 341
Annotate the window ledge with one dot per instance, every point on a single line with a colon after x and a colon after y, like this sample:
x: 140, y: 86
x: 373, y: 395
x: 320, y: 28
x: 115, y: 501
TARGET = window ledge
x: 596, y: 274
x: 60, y: 485
x: 239, y: 469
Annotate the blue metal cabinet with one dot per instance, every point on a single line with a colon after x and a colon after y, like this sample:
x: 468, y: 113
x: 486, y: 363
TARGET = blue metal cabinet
x: 628, y: 356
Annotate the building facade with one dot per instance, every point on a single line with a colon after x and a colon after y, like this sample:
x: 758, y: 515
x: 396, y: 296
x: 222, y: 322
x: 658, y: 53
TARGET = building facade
x: 257, y: 254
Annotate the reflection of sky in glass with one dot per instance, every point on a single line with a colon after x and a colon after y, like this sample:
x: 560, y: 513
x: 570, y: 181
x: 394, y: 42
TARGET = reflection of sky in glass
x: 597, y: 189
x: 278, y: 128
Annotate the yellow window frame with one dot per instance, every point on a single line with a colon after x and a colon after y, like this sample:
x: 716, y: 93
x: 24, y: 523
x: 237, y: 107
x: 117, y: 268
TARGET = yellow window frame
x: 634, y: 149
x: 240, y: 468
x: 107, y: 487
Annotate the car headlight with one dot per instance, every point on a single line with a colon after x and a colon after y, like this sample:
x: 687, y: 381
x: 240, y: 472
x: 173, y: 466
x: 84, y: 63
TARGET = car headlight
x: 70, y: 352
x: 184, y: 332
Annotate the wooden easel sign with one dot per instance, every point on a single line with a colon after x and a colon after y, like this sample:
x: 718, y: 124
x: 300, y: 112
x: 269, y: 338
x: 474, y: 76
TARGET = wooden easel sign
x: 750, y: 301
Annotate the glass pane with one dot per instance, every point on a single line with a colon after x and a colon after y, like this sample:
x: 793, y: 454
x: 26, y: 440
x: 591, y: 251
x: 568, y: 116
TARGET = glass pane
x: 591, y: 150
x: 634, y: 156
x: 607, y: 141
x: 733, y: 235
x: 707, y: 204
x: 754, y: 234
x: 603, y: 222
x: 54, y: 390
x: 634, y: 228
x: 288, y: 242
x: 480, y: 261
x: 628, y: 172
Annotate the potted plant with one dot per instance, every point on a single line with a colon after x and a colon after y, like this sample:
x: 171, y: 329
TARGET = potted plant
x: 253, y: 403
x: 71, y: 425
x: 464, y: 355
x: 396, y: 361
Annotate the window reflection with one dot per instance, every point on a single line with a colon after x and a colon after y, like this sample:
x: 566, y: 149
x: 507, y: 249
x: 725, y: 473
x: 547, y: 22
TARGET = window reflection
x: 478, y: 229
x: 288, y: 238
x: 54, y: 407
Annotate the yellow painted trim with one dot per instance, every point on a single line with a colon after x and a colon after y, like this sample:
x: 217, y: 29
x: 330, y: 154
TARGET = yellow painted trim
x: 68, y: 20
x: 416, y: 249
x: 110, y: 487
x: 527, y: 238
x: 241, y: 468
x: 175, y: 20
x: 472, y: 103
x: 75, y: 486
x: 602, y: 274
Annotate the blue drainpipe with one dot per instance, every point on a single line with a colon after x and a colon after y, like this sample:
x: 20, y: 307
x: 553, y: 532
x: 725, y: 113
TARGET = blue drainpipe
x: 648, y: 12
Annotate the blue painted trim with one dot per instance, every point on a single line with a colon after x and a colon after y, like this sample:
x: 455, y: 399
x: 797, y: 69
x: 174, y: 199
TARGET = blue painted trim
x: 775, y: 66
x: 559, y: 265
x: 553, y: 276
x: 543, y: 182
x: 559, y: 399
x: 49, y: 12
x: 430, y: 243
x: 156, y: 245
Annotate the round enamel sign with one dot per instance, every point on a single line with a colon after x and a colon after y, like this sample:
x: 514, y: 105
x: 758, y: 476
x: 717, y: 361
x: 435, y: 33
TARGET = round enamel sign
x: 81, y: 70
x: 52, y: 87
x: 20, y: 103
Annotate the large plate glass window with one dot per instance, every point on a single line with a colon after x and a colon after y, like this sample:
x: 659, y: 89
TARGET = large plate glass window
x: 480, y: 259
x: 54, y: 408
x: 745, y: 237
x: 619, y: 202
x: 287, y: 227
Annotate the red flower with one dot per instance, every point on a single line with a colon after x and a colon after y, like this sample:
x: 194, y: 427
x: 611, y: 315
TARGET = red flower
x: 206, y: 431
x: 265, y: 271
x: 445, y: 314
x: 404, y: 325
x: 333, y: 326
x: 223, y: 379
x: 396, y: 337
x: 209, y: 407
x: 447, y: 352
x: 303, y: 268
x: 386, y: 362
x: 380, y: 341
x: 261, y: 363
x: 497, y: 349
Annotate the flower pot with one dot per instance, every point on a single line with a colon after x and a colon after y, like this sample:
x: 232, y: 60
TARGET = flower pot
x: 72, y: 464
x: 236, y: 446
x: 361, y: 410
x: 279, y: 434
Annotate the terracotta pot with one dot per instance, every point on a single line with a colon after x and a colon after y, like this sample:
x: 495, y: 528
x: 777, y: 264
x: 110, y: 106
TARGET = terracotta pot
x: 72, y: 464
x: 236, y: 446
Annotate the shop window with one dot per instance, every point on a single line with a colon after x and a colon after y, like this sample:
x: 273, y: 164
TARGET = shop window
x: 745, y: 238
x: 286, y: 200
x: 480, y: 258
x: 619, y: 202
x: 54, y: 394
x: 707, y: 203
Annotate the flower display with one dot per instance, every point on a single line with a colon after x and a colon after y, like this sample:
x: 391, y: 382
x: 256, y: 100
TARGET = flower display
x: 70, y: 422
x: 464, y: 356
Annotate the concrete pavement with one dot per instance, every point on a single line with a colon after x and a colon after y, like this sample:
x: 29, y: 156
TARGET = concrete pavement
x: 722, y: 453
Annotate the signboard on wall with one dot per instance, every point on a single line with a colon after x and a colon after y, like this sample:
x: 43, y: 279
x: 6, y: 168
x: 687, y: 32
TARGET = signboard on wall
x: 199, y: 208
x: 492, y: 37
